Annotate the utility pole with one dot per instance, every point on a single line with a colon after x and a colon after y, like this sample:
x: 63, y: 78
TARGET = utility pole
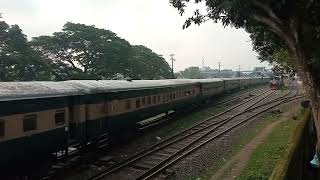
x: 202, y: 62
x: 172, y: 59
x: 239, y: 70
x: 219, y: 64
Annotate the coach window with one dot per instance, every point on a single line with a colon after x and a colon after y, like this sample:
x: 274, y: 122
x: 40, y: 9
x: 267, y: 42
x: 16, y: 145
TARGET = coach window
x: 149, y: 100
x: 174, y: 95
x: 154, y: 99
x: 143, y: 101
x: 167, y: 97
x: 188, y: 93
x: 137, y: 103
x: 170, y: 96
x: 158, y: 98
x: 128, y: 104
x: 2, y: 128
x: 60, y: 117
x: 163, y: 98
x: 29, y: 122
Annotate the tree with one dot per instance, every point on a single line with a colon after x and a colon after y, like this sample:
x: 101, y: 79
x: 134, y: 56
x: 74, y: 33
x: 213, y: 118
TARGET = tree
x: 272, y: 25
x: 146, y: 64
x: 85, y: 52
x: 192, y: 73
x: 281, y: 62
x: 18, y: 61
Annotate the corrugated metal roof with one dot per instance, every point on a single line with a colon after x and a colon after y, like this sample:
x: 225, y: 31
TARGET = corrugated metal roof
x: 35, y: 89
x: 39, y: 89
x: 92, y: 86
x: 207, y: 80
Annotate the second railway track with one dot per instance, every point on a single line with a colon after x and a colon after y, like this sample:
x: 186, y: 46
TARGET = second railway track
x: 158, y: 157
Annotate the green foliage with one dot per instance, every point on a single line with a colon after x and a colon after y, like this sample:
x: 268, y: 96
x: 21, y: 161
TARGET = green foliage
x: 147, y: 64
x: 281, y: 62
x: 191, y: 73
x: 87, y: 52
x: 77, y: 52
x: 84, y: 52
x: 18, y: 61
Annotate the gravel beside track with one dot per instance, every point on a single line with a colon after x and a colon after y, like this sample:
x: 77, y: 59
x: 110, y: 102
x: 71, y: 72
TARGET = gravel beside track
x: 157, y: 158
x: 209, y: 156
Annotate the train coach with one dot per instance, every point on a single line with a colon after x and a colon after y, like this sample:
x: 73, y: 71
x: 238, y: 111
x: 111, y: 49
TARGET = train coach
x: 114, y: 107
x: 41, y: 118
x: 34, y: 120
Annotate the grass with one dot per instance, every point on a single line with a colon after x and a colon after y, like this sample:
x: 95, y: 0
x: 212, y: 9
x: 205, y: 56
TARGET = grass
x: 206, y: 174
x: 266, y: 156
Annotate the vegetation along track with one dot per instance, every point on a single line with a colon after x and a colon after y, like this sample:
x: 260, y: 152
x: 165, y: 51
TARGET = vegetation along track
x: 158, y: 157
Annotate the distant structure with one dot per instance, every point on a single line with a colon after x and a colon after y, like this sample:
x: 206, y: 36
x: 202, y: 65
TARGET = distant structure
x: 208, y: 72
x: 216, y: 73
x: 259, y: 69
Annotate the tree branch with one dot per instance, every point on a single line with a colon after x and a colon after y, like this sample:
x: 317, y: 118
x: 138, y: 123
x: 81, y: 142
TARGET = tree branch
x: 268, y: 10
x: 274, y: 27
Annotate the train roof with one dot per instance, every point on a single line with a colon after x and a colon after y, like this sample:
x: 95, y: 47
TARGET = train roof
x: 206, y: 80
x: 43, y: 89
x: 35, y: 89
x: 100, y: 86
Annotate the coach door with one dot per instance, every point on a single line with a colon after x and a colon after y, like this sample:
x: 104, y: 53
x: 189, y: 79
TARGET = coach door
x: 104, y: 122
x: 199, y: 86
x: 76, y: 119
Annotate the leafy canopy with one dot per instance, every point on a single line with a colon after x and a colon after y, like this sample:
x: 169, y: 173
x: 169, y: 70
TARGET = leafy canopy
x: 86, y: 52
x: 18, y: 61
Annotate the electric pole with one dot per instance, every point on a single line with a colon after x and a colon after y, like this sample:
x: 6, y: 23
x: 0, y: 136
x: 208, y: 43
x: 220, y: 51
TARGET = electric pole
x: 172, y: 59
x: 219, y: 64
x: 203, y: 63
x: 239, y: 70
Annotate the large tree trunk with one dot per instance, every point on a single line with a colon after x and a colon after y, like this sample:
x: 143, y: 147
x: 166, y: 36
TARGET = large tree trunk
x: 308, y: 80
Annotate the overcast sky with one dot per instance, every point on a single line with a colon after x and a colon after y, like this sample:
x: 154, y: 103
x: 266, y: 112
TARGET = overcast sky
x: 152, y: 23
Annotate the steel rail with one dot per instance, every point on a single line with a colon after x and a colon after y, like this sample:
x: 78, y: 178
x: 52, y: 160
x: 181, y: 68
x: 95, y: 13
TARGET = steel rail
x: 143, y: 153
x: 155, y: 170
x: 165, y: 143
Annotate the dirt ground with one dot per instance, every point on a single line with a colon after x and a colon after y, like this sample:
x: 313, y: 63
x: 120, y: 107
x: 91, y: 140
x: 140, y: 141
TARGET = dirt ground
x: 232, y: 168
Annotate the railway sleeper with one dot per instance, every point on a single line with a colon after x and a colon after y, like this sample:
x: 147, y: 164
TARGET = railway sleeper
x: 157, y: 158
x: 178, y: 146
x: 162, y: 155
x: 142, y: 165
x: 169, y: 151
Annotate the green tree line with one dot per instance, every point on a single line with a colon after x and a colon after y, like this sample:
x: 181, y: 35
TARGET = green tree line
x: 77, y: 52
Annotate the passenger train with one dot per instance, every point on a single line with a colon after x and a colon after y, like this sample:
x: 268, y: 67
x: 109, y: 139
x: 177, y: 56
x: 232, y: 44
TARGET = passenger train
x: 38, y: 119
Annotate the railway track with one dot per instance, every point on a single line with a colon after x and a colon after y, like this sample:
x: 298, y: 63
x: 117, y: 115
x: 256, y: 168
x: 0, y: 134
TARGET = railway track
x: 243, y: 95
x: 75, y: 157
x: 160, y: 156
x: 226, y: 101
